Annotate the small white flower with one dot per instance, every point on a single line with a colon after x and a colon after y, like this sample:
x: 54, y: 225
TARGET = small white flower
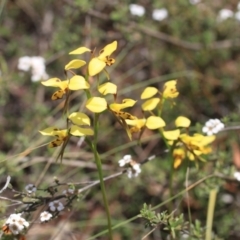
x: 125, y: 160
x: 213, y: 126
x: 237, y: 175
x: 238, y: 6
x: 56, y: 206
x: 225, y: 14
x: 24, y: 63
x: 30, y: 188
x: 160, y: 14
x: 68, y: 191
x: 134, y: 171
x: 16, y: 223
x: 193, y: 2
x: 45, y: 216
x: 38, y: 69
x: 227, y: 198
x: 237, y: 15
x: 137, y: 10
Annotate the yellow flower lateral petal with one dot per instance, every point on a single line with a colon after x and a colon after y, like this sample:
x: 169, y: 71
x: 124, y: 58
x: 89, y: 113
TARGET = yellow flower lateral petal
x: 125, y: 104
x: 51, y: 131
x: 80, y: 50
x: 78, y: 82
x: 96, y: 104
x: 79, y: 118
x: 154, y: 122
x: 107, y: 50
x: 74, y: 64
x: 171, y: 135
x: 170, y: 90
x: 182, y: 122
x: 79, y: 132
x: 139, y: 123
x: 150, y: 104
x: 55, y: 82
x: 107, y: 88
x: 149, y: 92
x: 95, y: 66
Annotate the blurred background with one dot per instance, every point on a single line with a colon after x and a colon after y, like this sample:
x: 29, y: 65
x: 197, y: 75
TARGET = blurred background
x: 194, y: 41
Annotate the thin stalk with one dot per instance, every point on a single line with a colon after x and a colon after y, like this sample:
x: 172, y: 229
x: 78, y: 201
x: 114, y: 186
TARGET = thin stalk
x: 100, y: 174
x: 210, y: 213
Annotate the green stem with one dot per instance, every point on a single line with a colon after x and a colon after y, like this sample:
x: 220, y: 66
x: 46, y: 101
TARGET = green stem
x: 100, y: 174
x: 210, y: 213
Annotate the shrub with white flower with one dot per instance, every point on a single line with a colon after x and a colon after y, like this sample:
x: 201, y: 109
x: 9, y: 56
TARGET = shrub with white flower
x: 213, y: 126
x: 30, y: 188
x: 45, y: 216
x: 37, y: 66
x: 137, y: 10
x: 16, y: 223
x: 56, y: 206
x: 134, y: 168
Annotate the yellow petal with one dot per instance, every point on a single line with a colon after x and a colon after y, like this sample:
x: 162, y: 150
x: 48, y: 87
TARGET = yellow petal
x: 182, y: 122
x: 154, y: 122
x: 74, y: 64
x: 171, y: 135
x: 79, y: 132
x: 55, y: 82
x: 95, y: 66
x: 107, y: 88
x: 149, y: 92
x: 79, y: 118
x: 49, y: 131
x: 107, y: 50
x: 150, y: 104
x: 96, y: 104
x: 78, y: 82
x: 80, y: 50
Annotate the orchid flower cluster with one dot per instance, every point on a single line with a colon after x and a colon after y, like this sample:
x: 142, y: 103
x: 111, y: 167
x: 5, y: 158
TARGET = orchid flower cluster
x: 181, y: 143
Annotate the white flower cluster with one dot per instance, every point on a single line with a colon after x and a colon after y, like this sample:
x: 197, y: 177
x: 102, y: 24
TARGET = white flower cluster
x: 45, y: 216
x: 16, y: 223
x: 56, y: 206
x: 37, y: 66
x: 213, y: 126
x: 134, y: 168
x: 157, y: 14
x: 227, y: 13
x: 30, y: 188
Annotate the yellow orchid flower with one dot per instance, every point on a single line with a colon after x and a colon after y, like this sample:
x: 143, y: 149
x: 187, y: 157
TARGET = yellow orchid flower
x: 97, y: 64
x: 178, y: 155
x: 75, y: 83
x: 61, y: 136
x: 117, y: 107
x: 170, y: 90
